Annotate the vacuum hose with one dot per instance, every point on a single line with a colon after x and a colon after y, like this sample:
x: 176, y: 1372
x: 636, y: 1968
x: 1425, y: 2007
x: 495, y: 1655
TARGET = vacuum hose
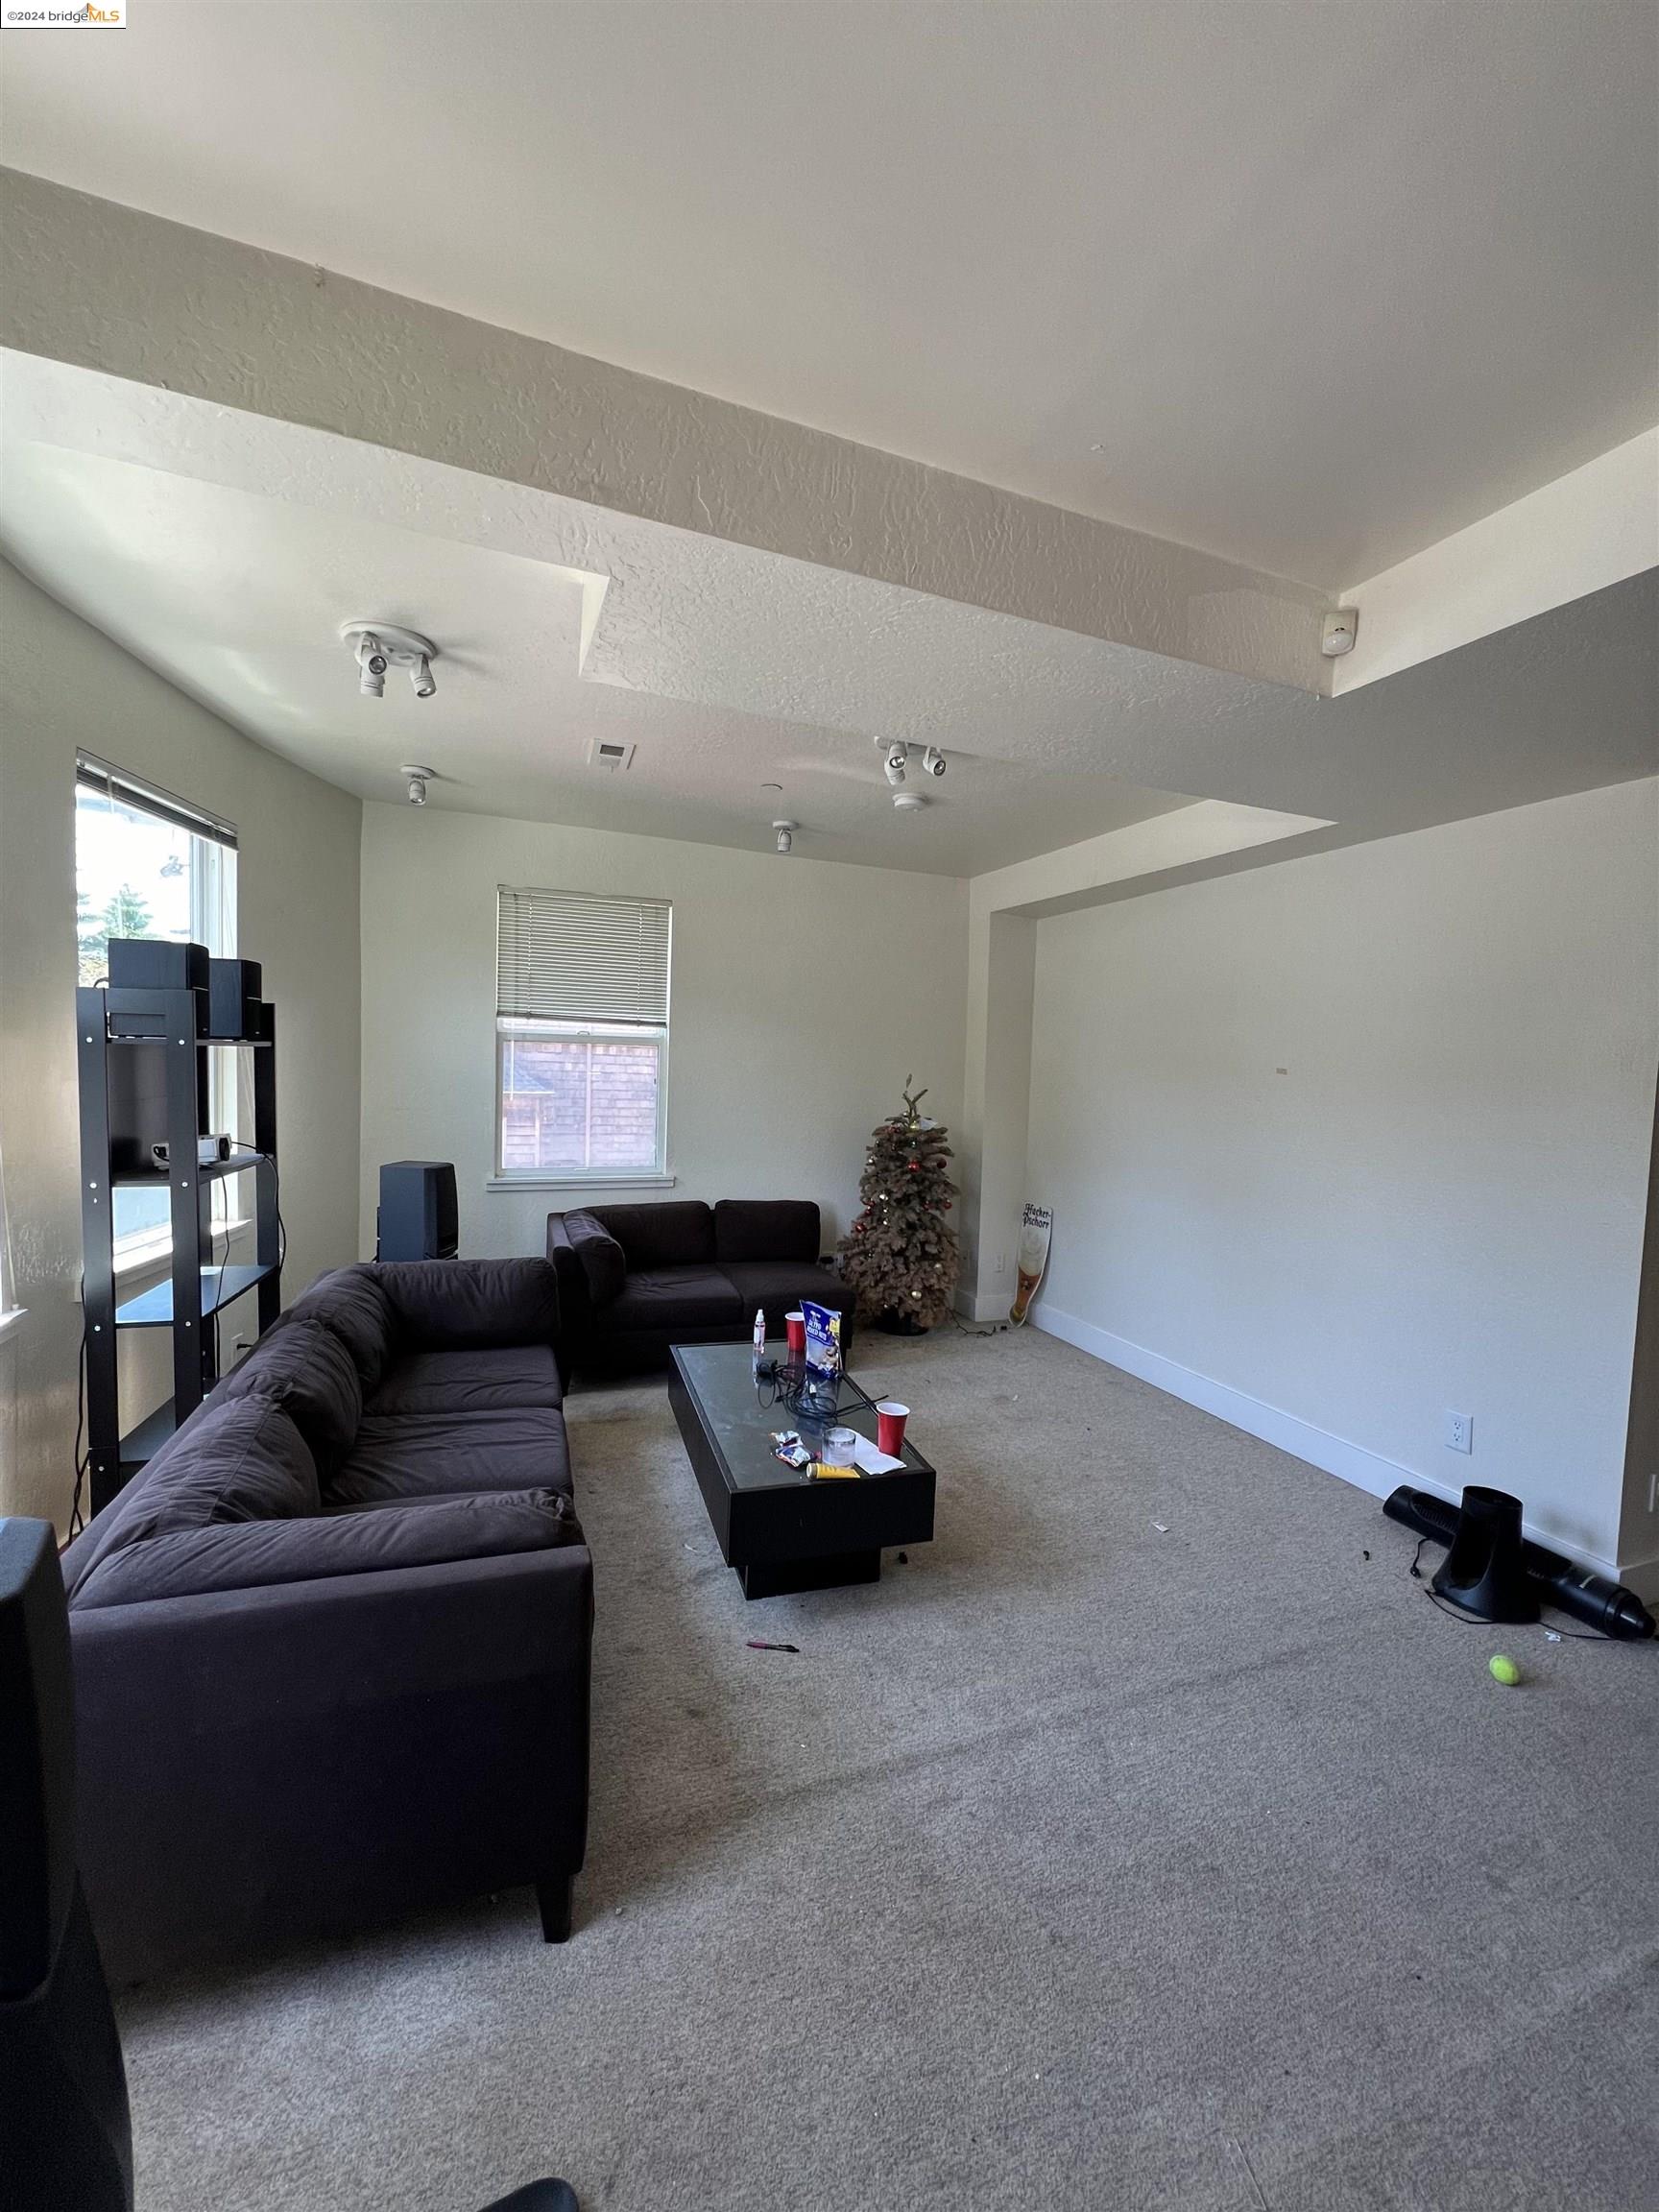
x: 1594, y: 1599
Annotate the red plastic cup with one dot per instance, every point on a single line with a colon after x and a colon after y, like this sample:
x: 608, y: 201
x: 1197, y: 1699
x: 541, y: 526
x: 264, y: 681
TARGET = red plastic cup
x: 794, y: 1329
x: 890, y: 1420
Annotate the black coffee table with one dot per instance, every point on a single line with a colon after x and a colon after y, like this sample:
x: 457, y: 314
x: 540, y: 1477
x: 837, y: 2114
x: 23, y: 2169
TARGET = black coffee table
x: 779, y: 1530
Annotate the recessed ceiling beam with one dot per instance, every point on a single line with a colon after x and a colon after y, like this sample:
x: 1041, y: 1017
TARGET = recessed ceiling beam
x: 105, y: 287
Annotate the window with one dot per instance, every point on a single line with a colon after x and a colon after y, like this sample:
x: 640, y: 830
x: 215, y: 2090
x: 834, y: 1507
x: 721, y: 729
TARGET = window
x: 581, y: 1036
x: 149, y: 865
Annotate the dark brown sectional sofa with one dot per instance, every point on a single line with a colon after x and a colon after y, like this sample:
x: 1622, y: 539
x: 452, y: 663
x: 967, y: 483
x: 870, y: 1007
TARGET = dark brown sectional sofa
x: 332, y: 1646
x: 634, y: 1279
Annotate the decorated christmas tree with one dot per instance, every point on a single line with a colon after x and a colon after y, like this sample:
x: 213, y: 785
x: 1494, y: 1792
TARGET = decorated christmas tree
x: 900, y: 1254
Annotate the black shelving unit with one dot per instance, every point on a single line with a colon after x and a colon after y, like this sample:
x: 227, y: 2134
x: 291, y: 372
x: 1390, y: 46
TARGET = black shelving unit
x: 122, y: 1101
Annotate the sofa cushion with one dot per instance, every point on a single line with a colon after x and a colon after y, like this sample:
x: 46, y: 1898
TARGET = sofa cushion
x: 781, y: 1285
x: 352, y: 1304
x: 469, y: 1382
x: 677, y: 1235
x: 604, y: 1264
x: 249, y: 1555
x: 674, y: 1298
x: 766, y: 1229
x: 308, y: 1371
x: 471, y: 1305
x: 239, y: 1460
x: 439, y: 1455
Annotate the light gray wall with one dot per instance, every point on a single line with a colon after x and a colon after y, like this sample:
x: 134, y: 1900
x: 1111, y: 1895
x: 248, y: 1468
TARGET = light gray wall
x: 804, y: 992
x: 63, y: 684
x: 1438, y: 1203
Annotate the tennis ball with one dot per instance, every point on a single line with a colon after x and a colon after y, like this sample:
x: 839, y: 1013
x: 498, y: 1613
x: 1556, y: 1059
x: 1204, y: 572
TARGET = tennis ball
x: 1503, y: 1669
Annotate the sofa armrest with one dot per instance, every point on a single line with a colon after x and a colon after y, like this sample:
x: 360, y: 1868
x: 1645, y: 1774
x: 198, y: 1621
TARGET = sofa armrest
x: 481, y: 1305
x: 267, y: 1765
x: 575, y: 1305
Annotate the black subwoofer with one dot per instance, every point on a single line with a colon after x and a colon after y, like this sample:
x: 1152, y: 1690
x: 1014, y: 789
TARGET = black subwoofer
x: 417, y: 1217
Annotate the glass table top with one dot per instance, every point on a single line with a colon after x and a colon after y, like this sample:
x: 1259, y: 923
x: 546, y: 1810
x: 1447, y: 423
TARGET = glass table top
x: 740, y: 1411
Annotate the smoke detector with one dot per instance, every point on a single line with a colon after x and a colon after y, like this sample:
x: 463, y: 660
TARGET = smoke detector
x: 909, y: 801
x: 610, y: 753
x: 1341, y: 627
x: 377, y: 646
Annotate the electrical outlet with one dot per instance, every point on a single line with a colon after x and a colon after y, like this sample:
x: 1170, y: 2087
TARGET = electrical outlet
x: 1459, y: 1433
x: 1000, y: 1268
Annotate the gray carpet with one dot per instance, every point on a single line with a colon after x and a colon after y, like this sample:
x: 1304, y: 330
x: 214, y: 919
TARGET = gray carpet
x: 1079, y: 1863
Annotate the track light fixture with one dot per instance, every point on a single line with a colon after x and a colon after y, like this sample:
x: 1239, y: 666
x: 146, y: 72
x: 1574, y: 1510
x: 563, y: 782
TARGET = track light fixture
x: 419, y: 778
x: 380, y: 645
x: 895, y: 759
x: 786, y: 834
x: 933, y: 761
x: 371, y: 667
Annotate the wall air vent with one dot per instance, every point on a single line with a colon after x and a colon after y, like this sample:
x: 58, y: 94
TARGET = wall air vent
x: 606, y: 752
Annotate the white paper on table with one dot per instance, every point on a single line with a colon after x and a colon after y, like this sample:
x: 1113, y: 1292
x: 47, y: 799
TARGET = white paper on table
x: 869, y: 1461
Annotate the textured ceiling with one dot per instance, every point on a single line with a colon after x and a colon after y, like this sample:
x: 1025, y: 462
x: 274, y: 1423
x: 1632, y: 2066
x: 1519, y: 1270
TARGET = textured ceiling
x: 174, y: 525
x: 1307, y: 286
x: 238, y: 599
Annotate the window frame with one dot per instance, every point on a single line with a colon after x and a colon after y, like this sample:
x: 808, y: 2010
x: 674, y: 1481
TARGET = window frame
x: 511, y: 1028
x: 215, y: 895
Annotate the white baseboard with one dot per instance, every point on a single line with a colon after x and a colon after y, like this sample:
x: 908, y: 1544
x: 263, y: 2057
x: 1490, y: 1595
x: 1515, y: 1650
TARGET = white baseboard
x: 994, y: 1308
x: 1366, y: 1470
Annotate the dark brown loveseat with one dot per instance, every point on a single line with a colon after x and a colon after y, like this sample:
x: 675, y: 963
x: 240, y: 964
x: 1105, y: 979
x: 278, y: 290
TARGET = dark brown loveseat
x: 332, y: 1646
x: 634, y: 1279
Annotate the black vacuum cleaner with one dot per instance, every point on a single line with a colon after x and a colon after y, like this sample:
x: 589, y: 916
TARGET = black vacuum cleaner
x: 1495, y: 1574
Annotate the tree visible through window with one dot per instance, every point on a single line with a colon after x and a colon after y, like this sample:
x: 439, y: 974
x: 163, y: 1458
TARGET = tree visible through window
x: 125, y: 914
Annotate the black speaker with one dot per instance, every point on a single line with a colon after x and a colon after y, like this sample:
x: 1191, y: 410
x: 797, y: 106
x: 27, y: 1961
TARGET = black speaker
x: 233, y: 992
x: 64, y: 2135
x: 417, y: 1217
x: 156, y: 964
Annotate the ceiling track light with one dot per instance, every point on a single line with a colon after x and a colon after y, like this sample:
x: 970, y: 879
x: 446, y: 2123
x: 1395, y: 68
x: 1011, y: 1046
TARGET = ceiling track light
x: 784, y: 833
x: 377, y: 646
x: 895, y: 758
x: 417, y: 779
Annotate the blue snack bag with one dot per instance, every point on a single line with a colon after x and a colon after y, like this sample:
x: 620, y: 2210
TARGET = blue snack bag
x: 823, y: 1339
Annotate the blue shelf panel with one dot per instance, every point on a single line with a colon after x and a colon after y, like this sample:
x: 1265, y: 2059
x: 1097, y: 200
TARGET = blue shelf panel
x: 153, y: 1309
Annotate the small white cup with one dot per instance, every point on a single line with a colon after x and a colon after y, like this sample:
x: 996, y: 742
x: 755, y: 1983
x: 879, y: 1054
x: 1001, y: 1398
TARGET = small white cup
x: 840, y: 1446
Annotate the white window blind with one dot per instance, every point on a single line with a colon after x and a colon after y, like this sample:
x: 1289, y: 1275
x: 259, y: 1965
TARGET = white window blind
x: 123, y: 790
x: 560, y: 956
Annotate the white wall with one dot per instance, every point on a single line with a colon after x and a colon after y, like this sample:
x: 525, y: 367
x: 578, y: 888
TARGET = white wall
x: 804, y: 992
x: 63, y: 684
x: 1437, y: 1204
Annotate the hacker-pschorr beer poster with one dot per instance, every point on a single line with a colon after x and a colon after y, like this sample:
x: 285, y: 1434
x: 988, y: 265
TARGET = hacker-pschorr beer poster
x: 1035, y: 1227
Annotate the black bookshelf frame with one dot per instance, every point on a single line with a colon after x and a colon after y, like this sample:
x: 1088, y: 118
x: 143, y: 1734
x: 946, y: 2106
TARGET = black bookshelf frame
x: 174, y: 1024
